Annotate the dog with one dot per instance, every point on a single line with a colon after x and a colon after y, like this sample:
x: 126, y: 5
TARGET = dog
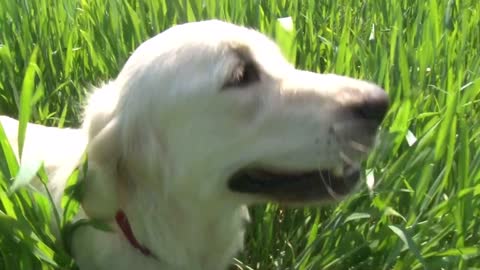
x: 204, y: 119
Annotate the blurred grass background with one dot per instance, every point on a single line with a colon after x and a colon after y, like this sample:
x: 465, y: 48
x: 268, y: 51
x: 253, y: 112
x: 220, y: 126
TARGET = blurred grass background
x: 424, y: 212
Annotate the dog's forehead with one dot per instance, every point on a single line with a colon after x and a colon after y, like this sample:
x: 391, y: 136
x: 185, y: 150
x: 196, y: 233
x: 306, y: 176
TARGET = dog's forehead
x: 213, y: 33
x: 212, y: 39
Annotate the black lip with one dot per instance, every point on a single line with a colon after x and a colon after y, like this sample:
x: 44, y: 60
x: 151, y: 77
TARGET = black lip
x: 307, y: 186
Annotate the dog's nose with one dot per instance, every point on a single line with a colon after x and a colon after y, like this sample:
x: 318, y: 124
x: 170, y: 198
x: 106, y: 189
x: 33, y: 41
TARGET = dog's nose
x: 372, y: 106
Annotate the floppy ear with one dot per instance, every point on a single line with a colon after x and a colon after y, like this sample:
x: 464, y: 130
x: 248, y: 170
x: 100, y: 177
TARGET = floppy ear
x: 103, y: 189
x: 120, y: 156
x: 123, y: 149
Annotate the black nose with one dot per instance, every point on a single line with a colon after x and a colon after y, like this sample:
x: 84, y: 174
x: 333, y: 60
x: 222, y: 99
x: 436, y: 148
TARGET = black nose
x: 373, y: 106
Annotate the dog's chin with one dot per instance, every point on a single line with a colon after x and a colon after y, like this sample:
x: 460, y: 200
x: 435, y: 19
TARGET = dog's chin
x: 295, y: 187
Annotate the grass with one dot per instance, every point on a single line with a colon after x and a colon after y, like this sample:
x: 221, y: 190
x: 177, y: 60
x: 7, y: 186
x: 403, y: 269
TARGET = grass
x: 424, y: 212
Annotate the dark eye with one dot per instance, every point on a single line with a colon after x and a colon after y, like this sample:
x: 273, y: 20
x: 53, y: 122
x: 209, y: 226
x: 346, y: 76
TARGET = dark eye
x: 243, y: 75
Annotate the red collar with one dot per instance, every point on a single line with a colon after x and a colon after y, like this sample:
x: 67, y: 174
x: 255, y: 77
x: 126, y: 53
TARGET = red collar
x: 124, y: 225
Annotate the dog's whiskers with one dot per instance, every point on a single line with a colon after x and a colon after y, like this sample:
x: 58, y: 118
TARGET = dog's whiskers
x: 347, y: 160
x: 353, y: 165
x: 360, y: 147
x: 328, y: 185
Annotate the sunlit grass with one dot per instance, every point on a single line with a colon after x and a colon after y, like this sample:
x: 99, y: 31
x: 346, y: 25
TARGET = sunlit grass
x: 424, y: 212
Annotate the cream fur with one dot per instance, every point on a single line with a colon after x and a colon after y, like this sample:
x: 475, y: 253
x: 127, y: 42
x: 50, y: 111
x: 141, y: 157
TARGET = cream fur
x: 164, y: 137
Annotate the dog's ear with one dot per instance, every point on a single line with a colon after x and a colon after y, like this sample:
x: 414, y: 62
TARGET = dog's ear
x: 102, y: 184
x: 122, y: 156
x: 123, y: 151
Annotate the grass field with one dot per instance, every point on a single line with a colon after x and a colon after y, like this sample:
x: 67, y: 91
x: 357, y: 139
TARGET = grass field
x: 424, y: 212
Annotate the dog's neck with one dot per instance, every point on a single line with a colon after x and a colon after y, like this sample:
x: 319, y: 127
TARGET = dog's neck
x: 207, y: 232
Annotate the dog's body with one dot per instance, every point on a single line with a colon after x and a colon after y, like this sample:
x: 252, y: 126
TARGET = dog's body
x: 204, y: 119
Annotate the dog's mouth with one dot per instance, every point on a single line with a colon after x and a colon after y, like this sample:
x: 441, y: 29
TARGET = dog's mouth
x: 296, y: 186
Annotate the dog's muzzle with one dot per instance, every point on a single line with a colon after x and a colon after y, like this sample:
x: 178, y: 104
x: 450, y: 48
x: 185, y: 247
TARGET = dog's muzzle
x: 356, y: 135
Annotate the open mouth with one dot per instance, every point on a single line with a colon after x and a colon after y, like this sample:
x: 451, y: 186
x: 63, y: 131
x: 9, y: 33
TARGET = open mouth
x: 303, y: 186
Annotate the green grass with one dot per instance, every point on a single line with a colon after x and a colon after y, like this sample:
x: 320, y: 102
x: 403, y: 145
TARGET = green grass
x: 424, y: 212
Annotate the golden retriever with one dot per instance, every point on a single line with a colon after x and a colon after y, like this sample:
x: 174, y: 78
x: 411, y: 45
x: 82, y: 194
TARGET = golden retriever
x: 202, y: 120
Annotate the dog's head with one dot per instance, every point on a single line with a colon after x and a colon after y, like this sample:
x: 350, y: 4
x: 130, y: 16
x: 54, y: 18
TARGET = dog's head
x: 213, y: 110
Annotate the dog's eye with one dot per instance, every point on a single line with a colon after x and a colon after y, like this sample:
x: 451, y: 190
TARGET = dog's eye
x: 243, y: 75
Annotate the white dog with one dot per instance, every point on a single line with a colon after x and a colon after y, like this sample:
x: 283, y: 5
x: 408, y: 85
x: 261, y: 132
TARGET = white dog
x: 204, y: 119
